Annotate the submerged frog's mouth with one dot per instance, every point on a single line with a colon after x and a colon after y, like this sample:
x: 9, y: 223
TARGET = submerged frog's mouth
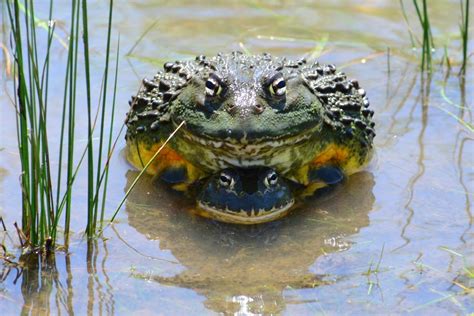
x: 242, y: 216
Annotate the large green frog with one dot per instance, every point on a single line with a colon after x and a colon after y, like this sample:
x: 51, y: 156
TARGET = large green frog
x: 299, y: 118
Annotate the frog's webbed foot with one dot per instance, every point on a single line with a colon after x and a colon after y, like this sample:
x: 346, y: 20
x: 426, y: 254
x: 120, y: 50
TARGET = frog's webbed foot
x: 175, y: 174
x: 179, y: 175
x: 328, y: 175
x: 315, y: 178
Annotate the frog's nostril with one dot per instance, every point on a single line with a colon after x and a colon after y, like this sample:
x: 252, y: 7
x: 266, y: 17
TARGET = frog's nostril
x: 257, y: 108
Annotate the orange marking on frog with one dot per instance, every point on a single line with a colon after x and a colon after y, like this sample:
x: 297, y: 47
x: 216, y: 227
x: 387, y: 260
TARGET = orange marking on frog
x: 167, y: 158
x: 333, y: 155
x: 140, y: 155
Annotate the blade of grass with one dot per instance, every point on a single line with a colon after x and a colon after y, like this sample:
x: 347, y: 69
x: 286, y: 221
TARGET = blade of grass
x: 147, y: 30
x: 413, y: 38
x: 318, y: 49
x: 109, y: 147
x: 21, y: 104
x: 90, y: 148
x: 102, y: 123
x: 73, y: 46
x: 142, y: 172
x: 42, y: 23
x: 465, y: 35
x: 41, y: 209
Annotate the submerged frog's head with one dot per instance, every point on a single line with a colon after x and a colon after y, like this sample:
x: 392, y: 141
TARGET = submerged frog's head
x: 245, y: 196
x: 243, y: 99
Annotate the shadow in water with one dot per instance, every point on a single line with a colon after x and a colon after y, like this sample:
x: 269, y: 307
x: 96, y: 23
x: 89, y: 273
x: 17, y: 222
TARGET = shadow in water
x: 248, y: 268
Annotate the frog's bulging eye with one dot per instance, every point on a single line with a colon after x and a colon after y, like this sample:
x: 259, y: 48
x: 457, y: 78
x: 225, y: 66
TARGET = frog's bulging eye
x: 277, y: 85
x: 271, y: 179
x: 226, y: 180
x: 213, y: 85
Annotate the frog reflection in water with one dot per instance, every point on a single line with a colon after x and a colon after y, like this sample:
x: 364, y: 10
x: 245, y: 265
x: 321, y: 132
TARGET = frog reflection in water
x: 249, y: 268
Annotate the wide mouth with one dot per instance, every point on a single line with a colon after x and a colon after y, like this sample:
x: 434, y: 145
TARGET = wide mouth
x: 245, y: 217
x: 244, y: 139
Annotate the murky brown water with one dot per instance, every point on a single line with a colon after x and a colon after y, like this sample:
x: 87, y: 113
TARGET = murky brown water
x: 396, y: 238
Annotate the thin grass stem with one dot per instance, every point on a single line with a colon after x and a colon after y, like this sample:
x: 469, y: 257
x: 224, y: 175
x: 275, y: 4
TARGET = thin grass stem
x: 142, y: 172
x: 109, y: 147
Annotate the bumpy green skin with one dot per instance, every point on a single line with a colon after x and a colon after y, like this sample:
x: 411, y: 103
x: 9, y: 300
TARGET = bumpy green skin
x: 245, y: 125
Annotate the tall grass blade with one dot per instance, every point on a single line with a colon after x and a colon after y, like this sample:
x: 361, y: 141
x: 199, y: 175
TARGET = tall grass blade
x: 464, y: 28
x: 90, y: 148
x: 427, y: 42
x: 109, y: 147
x: 142, y: 172
x: 102, y: 123
x: 45, y: 203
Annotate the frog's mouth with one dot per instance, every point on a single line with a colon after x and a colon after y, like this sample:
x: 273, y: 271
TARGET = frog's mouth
x: 244, y: 216
x: 244, y: 141
x: 243, y: 152
x: 245, y: 147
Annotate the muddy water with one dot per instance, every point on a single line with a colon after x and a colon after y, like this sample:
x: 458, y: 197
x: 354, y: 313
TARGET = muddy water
x: 396, y: 238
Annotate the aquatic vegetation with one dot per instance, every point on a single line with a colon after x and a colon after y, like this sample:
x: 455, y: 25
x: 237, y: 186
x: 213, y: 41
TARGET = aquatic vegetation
x: 392, y: 240
x: 427, y: 41
x: 427, y: 37
x: 464, y: 29
x: 44, y: 201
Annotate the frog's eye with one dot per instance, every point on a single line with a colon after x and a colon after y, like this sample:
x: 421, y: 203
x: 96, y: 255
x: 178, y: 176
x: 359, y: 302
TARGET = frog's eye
x: 226, y: 180
x: 213, y: 85
x: 277, y: 85
x: 271, y: 179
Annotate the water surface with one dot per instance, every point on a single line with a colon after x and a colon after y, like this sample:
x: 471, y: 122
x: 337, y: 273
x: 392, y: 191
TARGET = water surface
x: 396, y: 238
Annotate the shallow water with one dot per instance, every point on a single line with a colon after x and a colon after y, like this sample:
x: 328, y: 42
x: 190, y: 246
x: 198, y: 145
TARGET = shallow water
x: 396, y: 238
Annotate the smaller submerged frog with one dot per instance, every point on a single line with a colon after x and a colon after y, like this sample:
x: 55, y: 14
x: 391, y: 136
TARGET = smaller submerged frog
x: 245, y: 196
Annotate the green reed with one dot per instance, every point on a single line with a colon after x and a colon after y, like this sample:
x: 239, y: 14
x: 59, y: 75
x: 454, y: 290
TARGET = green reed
x: 47, y: 199
x: 428, y: 44
x: 464, y: 29
x: 427, y: 41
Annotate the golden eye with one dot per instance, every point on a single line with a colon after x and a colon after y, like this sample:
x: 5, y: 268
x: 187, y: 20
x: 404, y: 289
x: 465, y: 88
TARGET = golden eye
x: 277, y: 85
x: 213, y: 85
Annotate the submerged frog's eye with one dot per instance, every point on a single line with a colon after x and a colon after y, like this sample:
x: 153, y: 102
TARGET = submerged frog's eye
x: 213, y: 85
x: 271, y: 179
x: 226, y: 180
x: 277, y: 85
